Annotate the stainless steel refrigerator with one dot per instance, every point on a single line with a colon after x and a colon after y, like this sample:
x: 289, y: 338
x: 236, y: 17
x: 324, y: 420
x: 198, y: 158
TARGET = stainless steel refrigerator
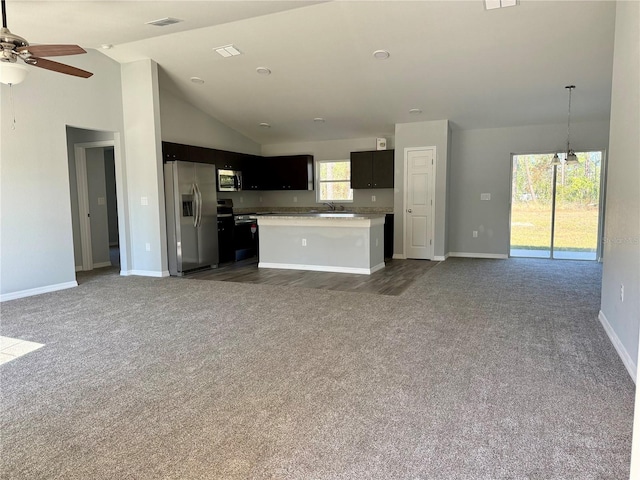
x: 192, y: 223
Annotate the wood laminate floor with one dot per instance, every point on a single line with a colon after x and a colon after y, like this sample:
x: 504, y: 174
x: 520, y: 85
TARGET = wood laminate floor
x: 394, y: 279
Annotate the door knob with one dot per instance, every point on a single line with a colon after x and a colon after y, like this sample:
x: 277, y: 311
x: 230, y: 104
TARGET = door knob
x: 408, y: 210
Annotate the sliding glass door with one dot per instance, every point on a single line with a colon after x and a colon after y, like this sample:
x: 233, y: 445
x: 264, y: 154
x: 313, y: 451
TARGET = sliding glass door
x: 555, y: 210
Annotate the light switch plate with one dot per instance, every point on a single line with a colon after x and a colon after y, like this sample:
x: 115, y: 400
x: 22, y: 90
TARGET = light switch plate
x: 102, y: 201
x: 144, y: 201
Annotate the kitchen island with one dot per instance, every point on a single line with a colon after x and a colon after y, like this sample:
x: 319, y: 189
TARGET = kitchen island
x: 326, y: 242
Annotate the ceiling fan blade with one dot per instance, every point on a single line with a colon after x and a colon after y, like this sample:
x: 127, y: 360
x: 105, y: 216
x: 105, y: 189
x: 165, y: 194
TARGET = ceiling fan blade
x: 52, y: 50
x: 58, y: 67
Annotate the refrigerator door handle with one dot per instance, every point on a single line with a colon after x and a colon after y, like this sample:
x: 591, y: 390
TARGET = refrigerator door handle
x: 196, y: 204
x: 199, y: 196
x: 238, y: 182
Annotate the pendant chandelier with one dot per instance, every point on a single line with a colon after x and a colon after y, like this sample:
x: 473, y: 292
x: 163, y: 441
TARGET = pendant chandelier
x: 571, y: 158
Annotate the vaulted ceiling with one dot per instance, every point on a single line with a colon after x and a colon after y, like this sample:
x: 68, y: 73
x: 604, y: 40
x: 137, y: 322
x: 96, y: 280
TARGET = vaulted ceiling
x: 450, y: 59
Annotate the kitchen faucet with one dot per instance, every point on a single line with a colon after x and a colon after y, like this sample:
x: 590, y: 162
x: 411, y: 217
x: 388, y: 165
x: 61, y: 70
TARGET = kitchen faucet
x: 331, y: 205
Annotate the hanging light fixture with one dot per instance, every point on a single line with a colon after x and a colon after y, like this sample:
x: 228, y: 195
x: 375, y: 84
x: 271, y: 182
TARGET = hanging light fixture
x: 570, y: 157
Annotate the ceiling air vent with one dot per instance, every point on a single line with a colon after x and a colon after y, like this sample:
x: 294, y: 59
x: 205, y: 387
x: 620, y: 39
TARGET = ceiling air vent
x: 227, y: 51
x: 163, y: 22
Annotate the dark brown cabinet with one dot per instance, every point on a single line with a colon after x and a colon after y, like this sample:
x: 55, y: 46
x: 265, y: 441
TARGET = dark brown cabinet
x: 175, y: 151
x: 388, y: 235
x: 288, y: 172
x: 201, y: 155
x: 372, y: 169
x: 293, y: 172
x: 229, y: 160
x: 253, y: 173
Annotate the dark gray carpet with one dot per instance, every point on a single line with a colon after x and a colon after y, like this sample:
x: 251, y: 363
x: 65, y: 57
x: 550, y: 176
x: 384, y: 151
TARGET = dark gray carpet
x: 482, y: 369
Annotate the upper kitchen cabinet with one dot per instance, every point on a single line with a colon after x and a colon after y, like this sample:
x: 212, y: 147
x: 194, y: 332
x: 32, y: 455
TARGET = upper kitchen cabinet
x: 253, y: 173
x: 201, y: 155
x: 291, y: 172
x: 372, y: 169
x: 229, y: 160
x: 175, y: 151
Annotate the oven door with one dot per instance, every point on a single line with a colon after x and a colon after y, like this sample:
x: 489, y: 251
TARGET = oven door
x: 229, y: 181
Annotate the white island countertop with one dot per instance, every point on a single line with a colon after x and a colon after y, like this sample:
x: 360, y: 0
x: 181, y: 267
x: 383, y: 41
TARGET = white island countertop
x: 323, y: 241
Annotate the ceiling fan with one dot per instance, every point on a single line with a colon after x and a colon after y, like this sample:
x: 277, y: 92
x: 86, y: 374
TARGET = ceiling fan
x: 14, y: 47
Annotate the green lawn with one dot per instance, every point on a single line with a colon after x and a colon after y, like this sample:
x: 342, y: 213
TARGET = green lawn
x: 576, y: 228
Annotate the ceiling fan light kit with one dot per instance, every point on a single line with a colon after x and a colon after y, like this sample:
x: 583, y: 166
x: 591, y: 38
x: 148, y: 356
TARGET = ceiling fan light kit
x: 14, y: 47
x: 12, y: 73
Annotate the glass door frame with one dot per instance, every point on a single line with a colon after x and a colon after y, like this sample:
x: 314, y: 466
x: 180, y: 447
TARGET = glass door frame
x: 601, y: 201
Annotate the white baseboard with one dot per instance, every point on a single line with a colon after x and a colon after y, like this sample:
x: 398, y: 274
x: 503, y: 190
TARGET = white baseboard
x: 95, y: 265
x: 322, y: 268
x: 440, y: 258
x: 102, y: 264
x: 499, y: 256
x: 399, y: 256
x: 145, y: 273
x: 622, y: 352
x: 37, y: 291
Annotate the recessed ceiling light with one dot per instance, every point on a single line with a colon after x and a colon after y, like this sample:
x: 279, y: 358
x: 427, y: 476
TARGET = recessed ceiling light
x: 265, y: 125
x: 227, y: 51
x: 381, y: 54
x: 106, y: 46
x: 197, y: 80
x: 318, y: 120
x: 163, y: 22
x: 263, y: 71
x: 415, y: 111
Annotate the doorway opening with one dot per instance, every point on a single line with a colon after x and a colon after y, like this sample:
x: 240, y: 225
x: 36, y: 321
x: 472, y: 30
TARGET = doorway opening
x: 556, y: 211
x: 97, y: 205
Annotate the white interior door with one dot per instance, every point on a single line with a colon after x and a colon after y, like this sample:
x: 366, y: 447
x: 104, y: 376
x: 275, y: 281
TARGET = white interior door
x: 418, y: 217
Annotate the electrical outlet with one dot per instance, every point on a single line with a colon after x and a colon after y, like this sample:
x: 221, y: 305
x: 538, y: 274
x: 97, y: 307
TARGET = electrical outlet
x: 376, y: 242
x: 485, y: 196
x: 148, y: 247
x: 260, y: 199
x: 475, y: 234
x: 295, y: 199
x: 622, y: 292
x: 373, y: 198
x: 304, y: 242
x: 241, y: 199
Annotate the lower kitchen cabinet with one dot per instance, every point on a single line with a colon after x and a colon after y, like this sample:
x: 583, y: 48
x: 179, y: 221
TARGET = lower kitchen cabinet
x: 388, y: 235
x: 226, y: 248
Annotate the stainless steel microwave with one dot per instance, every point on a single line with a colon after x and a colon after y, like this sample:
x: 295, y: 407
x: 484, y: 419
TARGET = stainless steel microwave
x: 229, y: 180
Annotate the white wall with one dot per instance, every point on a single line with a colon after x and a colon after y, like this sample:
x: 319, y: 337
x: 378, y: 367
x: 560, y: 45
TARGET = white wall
x: 184, y: 123
x: 622, y: 224
x: 37, y: 244
x: 321, y: 150
x: 145, y: 181
x: 423, y: 134
x: 481, y: 163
